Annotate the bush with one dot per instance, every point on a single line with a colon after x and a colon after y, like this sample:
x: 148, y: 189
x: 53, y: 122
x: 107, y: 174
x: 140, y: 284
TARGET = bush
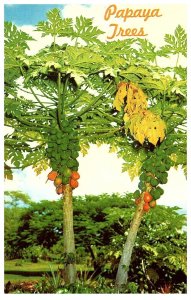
x: 32, y: 253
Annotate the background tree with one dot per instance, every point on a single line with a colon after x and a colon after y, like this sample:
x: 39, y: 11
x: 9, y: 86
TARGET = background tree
x: 73, y: 88
x: 100, y: 224
x: 15, y: 206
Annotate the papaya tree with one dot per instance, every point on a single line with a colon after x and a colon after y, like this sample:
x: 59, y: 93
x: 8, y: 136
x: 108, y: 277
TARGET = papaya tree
x: 78, y: 91
x: 156, y: 119
x: 56, y: 102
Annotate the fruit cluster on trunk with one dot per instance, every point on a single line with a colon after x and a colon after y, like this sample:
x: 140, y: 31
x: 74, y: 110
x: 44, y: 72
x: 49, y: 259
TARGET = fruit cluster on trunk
x: 59, y: 183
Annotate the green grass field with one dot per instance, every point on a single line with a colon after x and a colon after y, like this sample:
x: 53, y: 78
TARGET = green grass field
x: 19, y: 270
x: 21, y: 265
x: 20, y: 278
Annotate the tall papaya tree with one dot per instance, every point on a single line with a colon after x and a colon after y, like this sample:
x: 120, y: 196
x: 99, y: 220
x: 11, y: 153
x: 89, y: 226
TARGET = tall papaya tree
x: 156, y: 119
x: 56, y: 101
x: 80, y: 90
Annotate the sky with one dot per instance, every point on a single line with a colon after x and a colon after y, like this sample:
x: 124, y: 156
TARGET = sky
x: 27, y: 14
x: 100, y: 170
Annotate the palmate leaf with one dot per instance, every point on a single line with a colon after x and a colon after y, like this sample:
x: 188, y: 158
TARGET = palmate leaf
x: 12, y: 108
x: 181, y: 71
x: 82, y: 58
x: 34, y: 157
x: 146, y: 51
x: 55, y: 26
x: 15, y: 39
x: 85, y: 30
x: 176, y: 43
x: 15, y: 43
x: 133, y: 169
x: 15, y: 155
x: 136, y: 70
x: 132, y: 158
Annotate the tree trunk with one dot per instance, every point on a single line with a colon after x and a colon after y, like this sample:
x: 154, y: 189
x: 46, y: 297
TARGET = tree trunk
x: 68, y: 231
x: 122, y: 273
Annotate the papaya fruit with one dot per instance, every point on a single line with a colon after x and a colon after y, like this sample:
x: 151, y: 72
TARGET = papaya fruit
x: 73, y: 183
x: 75, y: 175
x: 146, y: 207
x: 52, y: 175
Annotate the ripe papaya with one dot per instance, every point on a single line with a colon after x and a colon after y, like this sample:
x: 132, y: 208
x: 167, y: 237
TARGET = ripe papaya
x: 52, y: 175
x: 75, y: 175
x: 146, y: 207
x: 147, y: 197
x: 73, y: 183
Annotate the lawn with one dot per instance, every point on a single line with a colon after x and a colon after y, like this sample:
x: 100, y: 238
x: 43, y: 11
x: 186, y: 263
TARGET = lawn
x: 20, y: 278
x: 26, y: 266
x: 20, y: 270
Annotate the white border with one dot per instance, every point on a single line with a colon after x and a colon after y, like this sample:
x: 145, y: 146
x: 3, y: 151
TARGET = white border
x: 125, y: 3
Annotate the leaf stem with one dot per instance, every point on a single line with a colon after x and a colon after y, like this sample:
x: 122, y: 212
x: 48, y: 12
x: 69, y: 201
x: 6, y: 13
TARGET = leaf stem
x: 87, y: 108
x: 64, y: 93
x: 109, y: 117
x: 177, y: 59
x: 163, y: 102
x: 80, y: 94
x: 59, y: 108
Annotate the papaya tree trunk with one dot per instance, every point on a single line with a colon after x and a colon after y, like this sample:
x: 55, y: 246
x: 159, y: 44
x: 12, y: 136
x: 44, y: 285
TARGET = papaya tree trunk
x: 68, y: 232
x: 123, y: 268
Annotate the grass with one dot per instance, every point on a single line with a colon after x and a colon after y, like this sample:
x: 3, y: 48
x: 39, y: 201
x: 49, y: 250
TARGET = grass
x: 16, y: 278
x: 19, y: 270
x: 25, y: 266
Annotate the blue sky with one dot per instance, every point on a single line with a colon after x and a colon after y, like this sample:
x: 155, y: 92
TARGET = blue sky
x: 28, y: 14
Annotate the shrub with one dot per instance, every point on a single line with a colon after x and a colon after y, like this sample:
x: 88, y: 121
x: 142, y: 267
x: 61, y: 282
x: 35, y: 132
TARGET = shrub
x: 32, y: 253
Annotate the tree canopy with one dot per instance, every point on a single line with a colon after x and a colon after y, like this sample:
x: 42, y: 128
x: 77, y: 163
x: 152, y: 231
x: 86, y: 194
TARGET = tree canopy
x: 78, y: 78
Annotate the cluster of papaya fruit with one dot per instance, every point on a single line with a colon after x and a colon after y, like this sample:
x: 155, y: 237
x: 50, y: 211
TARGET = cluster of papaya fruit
x: 63, y: 149
x: 60, y: 181
x: 149, y: 202
x: 154, y: 172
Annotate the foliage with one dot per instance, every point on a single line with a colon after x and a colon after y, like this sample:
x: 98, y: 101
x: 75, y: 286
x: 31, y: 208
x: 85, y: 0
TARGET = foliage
x: 159, y: 256
x: 77, y: 82
x: 99, y: 286
x: 32, y: 253
x: 49, y: 283
x: 16, y: 198
x: 90, y: 71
